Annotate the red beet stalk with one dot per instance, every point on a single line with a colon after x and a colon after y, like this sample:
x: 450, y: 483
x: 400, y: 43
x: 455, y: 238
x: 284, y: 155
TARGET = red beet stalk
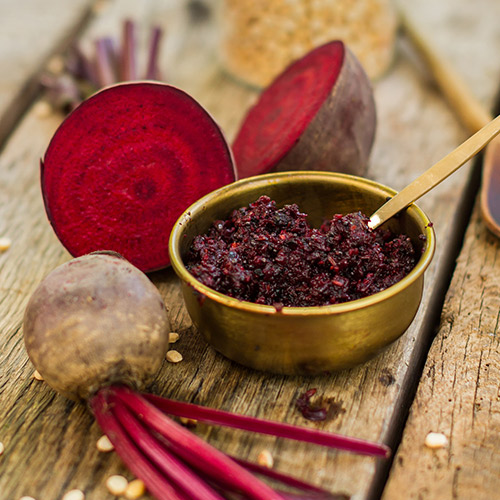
x: 152, y: 71
x: 174, y: 469
x: 252, y: 424
x: 284, y: 478
x: 104, y: 65
x: 129, y: 453
x: 129, y: 56
x: 213, y: 462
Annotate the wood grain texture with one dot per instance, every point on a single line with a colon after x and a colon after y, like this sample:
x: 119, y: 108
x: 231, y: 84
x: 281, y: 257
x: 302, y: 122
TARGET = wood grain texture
x: 31, y: 31
x: 459, y: 392
x: 50, y: 442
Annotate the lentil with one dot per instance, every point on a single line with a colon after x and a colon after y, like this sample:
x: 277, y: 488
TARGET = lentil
x: 135, y: 489
x: 117, y: 485
x: 74, y: 495
x: 5, y: 244
x: 104, y: 444
x: 174, y: 356
x: 265, y: 459
x: 436, y: 440
x: 173, y: 337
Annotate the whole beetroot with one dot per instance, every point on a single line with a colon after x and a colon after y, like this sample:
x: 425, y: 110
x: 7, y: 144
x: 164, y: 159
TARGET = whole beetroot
x: 94, y: 321
x: 96, y: 328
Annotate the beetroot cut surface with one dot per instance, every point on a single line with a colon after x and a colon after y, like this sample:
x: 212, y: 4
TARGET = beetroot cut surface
x: 318, y: 114
x: 125, y: 164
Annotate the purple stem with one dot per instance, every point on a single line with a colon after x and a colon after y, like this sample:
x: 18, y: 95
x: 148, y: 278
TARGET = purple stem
x: 213, y: 462
x: 220, y: 417
x: 103, y: 63
x: 128, y: 452
x: 153, y: 71
x: 84, y: 67
x: 279, y: 476
x: 128, y: 54
x: 170, y: 465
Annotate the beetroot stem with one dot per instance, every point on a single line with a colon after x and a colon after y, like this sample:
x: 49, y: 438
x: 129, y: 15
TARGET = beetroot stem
x: 104, y: 67
x: 128, y: 452
x: 278, y: 429
x: 213, y: 462
x: 128, y: 55
x: 279, y: 476
x: 152, y: 71
x: 169, y: 464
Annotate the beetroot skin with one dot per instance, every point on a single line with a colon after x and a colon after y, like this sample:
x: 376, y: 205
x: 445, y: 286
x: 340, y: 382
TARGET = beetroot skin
x: 319, y: 114
x: 125, y: 164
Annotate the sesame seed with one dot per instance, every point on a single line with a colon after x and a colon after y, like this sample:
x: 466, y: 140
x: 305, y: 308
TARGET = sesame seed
x: 436, y: 440
x: 56, y: 64
x: 5, y: 243
x: 104, y: 444
x: 26, y: 498
x: 117, y: 485
x: 135, y: 490
x: 42, y: 109
x: 188, y: 422
x: 265, y: 459
x: 37, y: 375
x: 2, y: 448
x: 173, y: 337
x: 74, y: 495
x: 174, y: 356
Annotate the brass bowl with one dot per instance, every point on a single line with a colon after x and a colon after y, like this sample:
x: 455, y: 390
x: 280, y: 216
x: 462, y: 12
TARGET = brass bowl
x: 302, y: 340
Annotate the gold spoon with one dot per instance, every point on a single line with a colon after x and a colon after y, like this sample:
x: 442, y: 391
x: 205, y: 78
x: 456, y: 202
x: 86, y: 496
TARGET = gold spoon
x: 436, y: 174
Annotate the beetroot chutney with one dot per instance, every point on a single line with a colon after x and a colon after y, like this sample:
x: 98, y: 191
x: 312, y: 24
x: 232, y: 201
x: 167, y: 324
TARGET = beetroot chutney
x: 271, y: 255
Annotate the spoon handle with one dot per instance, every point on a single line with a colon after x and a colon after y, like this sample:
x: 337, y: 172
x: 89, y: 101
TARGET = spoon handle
x: 436, y: 174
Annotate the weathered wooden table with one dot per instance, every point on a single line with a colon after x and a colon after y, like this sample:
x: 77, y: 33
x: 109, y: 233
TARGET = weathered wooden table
x: 443, y: 375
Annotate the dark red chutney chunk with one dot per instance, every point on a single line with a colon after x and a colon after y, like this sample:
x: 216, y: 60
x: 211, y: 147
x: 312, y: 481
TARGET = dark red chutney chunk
x: 271, y: 255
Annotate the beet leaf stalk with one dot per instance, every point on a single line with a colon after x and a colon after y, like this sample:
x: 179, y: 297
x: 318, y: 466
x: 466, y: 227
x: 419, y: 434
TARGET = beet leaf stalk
x: 278, y: 429
x: 166, y: 453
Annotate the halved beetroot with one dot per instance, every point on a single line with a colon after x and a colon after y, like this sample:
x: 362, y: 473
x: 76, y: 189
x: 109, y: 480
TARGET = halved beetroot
x: 125, y: 164
x: 319, y: 114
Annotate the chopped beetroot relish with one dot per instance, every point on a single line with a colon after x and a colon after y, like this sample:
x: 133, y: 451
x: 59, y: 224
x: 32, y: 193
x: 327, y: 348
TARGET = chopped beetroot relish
x: 271, y: 255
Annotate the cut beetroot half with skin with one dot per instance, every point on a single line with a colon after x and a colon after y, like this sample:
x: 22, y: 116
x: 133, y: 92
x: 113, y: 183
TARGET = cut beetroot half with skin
x: 125, y: 164
x: 319, y: 114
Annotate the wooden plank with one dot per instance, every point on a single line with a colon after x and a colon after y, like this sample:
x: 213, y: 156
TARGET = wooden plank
x: 458, y: 392
x: 31, y: 32
x: 53, y: 440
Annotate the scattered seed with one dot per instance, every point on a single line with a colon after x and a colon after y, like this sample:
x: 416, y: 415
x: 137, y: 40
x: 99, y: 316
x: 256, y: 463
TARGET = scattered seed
x: 56, y: 65
x: 26, y: 498
x: 2, y: 448
x: 42, y: 109
x: 436, y: 440
x: 5, y: 244
x: 74, y: 495
x: 174, y: 356
x: 37, y: 375
x: 265, y: 459
x: 173, y: 337
x: 100, y: 6
x: 117, y: 485
x: 135, y: 489
x: 104, y: 444
x: 188, y: 422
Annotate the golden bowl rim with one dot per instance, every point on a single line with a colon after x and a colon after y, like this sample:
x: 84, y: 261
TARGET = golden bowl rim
x: 332, y: 309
